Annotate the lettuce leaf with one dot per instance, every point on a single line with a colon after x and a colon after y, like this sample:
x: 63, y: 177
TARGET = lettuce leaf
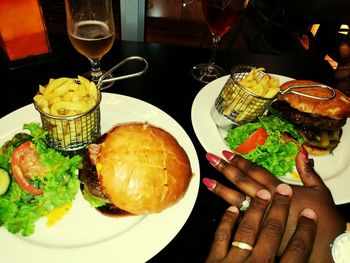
x: 20, y: 210
x: 277, y: 155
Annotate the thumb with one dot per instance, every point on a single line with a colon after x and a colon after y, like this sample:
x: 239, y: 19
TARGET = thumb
x: 307, y: 174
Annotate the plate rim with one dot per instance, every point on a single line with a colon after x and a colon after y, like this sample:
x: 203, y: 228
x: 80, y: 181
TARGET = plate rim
x: 335, y: 184
x: 139, y: 234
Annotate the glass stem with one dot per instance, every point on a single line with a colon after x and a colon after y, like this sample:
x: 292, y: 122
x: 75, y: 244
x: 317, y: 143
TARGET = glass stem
x: 95, y: 69
x: 216, y: 43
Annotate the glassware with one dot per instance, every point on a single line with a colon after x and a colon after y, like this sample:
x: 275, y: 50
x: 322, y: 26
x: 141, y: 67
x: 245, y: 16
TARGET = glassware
x: 91, y: 31
x: 220, y: 16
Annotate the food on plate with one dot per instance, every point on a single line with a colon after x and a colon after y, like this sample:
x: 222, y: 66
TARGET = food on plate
x: 67, y: 107
x: 4, y: 181
x: 137, y: 168
x: 266, y: 142
x: 319, y: 123
x: 260, y: 83
x: 66, y: 96
x: 245, y: 102
x: 41, y: 180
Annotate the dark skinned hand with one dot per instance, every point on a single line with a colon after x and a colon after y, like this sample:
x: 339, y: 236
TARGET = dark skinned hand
x: 342, y: 72
x: 264, y: 233
x: 249, y: 178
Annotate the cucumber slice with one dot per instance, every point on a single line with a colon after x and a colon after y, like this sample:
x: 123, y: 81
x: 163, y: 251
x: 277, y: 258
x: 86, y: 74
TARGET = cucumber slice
x: 4, y: 181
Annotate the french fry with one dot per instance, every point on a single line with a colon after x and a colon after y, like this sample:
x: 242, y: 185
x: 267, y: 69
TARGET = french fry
x: 260, y: 83
x: 65, y: 97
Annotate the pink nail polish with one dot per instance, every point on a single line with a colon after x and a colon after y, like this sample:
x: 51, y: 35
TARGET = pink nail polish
x: 284, y: 189
x: 213, y: 159
x: 305, y: 155
x: 233, y: 209
x: 209, y: 183
x: 228, y: 155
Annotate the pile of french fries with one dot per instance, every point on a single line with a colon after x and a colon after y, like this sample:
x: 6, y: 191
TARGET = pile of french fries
x: 66, y: 98
x: 241, y: 104
x: 260, y: 83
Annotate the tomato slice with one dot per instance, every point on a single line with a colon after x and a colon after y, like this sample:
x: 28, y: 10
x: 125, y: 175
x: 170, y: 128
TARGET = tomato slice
x: 24, y: 162
x: 257, y: 138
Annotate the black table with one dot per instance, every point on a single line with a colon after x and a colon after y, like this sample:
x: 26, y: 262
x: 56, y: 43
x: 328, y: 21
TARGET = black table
x: 168, y: 85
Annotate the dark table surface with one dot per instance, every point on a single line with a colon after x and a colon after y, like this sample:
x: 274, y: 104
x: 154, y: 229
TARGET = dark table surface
x: 168, y: 85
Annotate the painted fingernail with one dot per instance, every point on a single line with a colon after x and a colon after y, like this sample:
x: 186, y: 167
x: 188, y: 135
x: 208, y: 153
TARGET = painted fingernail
x: 209, y: 183
x: 305, y: 155
x: 233, y: 209
x: 213, y: 159
x: 263, y: 194
x: 228, y: 155
x: 309, y: 213
x: 284, y: 189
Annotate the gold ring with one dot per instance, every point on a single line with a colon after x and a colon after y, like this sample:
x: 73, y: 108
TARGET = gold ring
x: 242, y: 245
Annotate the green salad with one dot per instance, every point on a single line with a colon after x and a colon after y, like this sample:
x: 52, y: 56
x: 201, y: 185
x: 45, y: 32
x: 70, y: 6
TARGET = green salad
x: 277, y: 154
x: 20, y: 209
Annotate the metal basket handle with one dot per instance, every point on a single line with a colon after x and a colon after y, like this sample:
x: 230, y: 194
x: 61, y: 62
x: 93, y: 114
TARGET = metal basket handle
x: 292, y: 89
x: 103, y: 79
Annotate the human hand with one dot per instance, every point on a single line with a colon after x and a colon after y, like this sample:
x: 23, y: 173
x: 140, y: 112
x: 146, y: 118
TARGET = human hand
x: 342, y: 72
x: 263, y: 234
x: 249, y: 178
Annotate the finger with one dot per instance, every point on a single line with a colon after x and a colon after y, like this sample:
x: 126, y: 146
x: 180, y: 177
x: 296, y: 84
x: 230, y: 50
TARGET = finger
x: 344, y: 52
x: 255, y: 171
x: 301, y: 243
x: 306, y: 171
x: 228, y: 194
x: 249, y: 226
x: 342, y: 73
x: 274, y: 225
x: 239, y: 178
x: 222, y: 238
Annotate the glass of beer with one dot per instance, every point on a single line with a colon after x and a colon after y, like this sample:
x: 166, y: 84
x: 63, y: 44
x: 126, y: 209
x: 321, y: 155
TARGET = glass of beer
x: 91, y: 30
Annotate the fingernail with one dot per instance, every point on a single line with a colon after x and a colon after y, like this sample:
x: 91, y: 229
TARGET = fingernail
x: 233, y: 209
x: 305, y: 155
x: 213, y: 159
x: 309, y: 213
x: 263, y: 194
x: 284, y: 189
x: 209, y: 183
x: 228, y: 155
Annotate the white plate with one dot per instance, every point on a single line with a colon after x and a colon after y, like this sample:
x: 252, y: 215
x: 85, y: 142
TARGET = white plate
x: 333, y: 169
x: 84, y: 235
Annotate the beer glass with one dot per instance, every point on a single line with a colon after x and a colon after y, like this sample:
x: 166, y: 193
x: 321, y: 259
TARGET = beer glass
x: 91, y: 30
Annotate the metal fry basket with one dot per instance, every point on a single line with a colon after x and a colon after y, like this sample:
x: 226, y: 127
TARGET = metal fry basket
x: 236, y: 105
x: 72, y: 133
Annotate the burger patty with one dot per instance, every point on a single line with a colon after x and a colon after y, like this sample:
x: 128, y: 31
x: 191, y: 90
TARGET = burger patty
x: 307, y: 120
x: 88, y: 175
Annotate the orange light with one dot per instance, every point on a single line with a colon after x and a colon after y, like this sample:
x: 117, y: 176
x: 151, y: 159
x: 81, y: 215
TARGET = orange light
x: 22, y: 31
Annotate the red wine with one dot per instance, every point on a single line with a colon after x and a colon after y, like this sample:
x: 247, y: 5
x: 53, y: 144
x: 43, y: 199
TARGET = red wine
x: 221, y: 16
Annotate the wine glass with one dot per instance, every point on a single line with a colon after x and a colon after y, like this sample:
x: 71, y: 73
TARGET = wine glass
x: 91, y: 31
x: 220, y: 16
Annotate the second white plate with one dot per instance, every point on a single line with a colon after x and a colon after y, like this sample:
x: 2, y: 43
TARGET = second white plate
x: 333, y: 168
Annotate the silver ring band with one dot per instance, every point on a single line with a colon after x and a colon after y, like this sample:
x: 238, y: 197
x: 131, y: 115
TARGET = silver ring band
x: 245, y: 204
x: 242, y: 245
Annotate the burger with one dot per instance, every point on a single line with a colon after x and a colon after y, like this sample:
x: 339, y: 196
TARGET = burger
x: 319, y: 122
x: 136, y: 168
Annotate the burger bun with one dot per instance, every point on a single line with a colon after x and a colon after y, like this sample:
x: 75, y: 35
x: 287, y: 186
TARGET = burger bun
x: 142, y: 169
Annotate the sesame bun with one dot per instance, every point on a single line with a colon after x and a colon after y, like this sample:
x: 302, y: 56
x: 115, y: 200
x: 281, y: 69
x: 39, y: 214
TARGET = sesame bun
x: 336, y: 108
x: 142, y: 169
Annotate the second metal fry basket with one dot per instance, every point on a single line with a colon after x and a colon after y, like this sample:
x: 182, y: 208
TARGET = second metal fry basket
x: 236, y: 105
x: 72, y: 133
